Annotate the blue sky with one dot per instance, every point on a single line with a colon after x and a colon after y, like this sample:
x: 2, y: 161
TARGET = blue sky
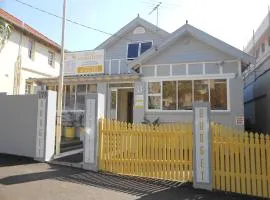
x: 230, y: 20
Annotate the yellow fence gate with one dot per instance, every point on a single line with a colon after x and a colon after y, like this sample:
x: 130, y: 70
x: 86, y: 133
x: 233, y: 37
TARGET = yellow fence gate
x: 163, y: 152
x: 240, y: 161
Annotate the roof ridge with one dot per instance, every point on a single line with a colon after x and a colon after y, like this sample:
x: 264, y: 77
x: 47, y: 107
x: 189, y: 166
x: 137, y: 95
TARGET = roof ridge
x: 199, y: 34
x: 125, y: 28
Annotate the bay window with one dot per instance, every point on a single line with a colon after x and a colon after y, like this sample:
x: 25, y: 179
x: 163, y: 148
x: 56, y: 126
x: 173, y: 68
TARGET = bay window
x: 179, y: 95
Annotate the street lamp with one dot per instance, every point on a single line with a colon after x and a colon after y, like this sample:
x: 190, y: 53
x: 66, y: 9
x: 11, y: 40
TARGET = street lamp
x: 60, y: 85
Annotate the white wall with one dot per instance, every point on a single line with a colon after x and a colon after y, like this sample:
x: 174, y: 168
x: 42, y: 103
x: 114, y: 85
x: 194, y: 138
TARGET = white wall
x: 18, y: 122
x: 36, y: 68
x: 8, y: 56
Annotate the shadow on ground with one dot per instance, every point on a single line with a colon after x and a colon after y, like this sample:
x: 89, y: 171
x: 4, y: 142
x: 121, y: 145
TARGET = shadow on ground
x: 11, y: 160
x: 144, y: 188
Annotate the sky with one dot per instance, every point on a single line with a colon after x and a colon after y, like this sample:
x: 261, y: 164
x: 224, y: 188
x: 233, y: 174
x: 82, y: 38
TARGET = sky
x: 229, y: 20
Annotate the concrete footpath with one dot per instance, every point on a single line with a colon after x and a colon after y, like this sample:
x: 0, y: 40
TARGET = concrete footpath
x: 24, y: 179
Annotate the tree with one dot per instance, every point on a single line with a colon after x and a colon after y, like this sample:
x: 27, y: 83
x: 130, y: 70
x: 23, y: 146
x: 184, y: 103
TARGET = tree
x: 5, y: 31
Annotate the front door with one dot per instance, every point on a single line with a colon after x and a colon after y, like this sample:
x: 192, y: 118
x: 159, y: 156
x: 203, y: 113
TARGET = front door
x: 130, y: 107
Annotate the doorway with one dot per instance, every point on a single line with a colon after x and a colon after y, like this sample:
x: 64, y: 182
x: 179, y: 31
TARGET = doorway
x: 121, y: 104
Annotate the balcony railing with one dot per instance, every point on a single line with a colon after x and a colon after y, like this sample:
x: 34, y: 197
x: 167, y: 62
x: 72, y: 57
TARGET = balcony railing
x: 117, y: 66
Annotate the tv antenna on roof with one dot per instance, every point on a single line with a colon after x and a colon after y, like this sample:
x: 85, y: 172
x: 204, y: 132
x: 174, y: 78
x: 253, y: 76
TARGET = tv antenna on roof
x: 156, y: 9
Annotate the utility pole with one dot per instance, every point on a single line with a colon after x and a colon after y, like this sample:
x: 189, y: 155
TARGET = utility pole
x: 156, y: 8
x: 60, y: 85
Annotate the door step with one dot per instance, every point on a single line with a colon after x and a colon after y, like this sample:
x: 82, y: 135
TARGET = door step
x: 69, y: 145
x: 68, y: 153
x: 68, y: 164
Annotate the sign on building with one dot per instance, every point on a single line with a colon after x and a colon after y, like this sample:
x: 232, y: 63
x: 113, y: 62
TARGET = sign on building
x: 202, y: 146
x: 46, y: 116
x: 84, y: 62
x: 239, y: 121
x: 94, y: 111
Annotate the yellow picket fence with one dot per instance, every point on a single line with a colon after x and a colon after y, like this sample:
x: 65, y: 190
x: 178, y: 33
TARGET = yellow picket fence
x: 163, y: 152
x: 240, y: 161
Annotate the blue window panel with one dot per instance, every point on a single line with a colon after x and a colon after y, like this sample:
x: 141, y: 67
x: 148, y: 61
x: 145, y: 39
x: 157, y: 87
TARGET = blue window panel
x: 145, y: 46
x: 133, y: 51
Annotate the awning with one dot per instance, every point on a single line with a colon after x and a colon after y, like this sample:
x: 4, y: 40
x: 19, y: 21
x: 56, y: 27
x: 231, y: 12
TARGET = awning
x: 86, y: 79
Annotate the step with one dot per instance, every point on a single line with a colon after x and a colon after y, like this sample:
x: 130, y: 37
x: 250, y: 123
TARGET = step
x: 66, y: 143
x: 71, y: 147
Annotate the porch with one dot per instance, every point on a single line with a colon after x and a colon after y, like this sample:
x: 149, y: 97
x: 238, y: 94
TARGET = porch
x: 118, y: 92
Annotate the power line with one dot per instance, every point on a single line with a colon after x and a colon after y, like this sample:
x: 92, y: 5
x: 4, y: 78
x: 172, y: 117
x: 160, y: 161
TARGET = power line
x: 69, y: 20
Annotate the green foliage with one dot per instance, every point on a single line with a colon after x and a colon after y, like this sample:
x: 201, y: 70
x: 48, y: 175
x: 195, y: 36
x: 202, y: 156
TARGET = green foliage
x: 5, y: 31
x: 156, y: 122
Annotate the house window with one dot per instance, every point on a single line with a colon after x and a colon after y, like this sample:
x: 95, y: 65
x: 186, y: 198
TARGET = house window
x: 179, y: 95
x: 154, y: 95
x: 218, y: 90
x: 74, y: 95
x: 70, y: 97
x: 92, y: 88
x: 169, y: 95
x: 257, y: 53
x: 136, y: 49
x: 51, y: 58
x: 201, y: 90
x: 28, y: 88
x: 263, y: 47
x: 80, y: 97
x: 145, y: 46
x: 184, y: 95
x: 31, y: 49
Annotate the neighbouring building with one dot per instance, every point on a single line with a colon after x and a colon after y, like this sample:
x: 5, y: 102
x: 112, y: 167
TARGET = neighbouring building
x: 149, y: 73
x: 257, y: 80
x: 26, y: 54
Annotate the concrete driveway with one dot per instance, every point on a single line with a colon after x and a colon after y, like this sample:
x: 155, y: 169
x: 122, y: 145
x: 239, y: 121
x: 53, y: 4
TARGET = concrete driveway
x: 24, y: 179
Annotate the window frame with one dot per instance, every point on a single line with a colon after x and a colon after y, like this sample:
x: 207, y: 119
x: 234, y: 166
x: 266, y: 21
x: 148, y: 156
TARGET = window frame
x: 31, y: 52
x: 154, y: 95
x: 263, y: 47
x: 53, y: 58
x: 139, y: 49
x: 188, y: 111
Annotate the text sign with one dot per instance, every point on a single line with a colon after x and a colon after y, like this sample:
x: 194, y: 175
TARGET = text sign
x: 41, y: 124
x: 202, y: 148
x: 84, y: 62
x: 90, y: 125
x: 240, y: 121
x: 139, y: 101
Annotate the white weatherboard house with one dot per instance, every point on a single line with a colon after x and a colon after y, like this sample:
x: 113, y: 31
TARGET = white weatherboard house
x: 150, y: 73
x: 26, y: 54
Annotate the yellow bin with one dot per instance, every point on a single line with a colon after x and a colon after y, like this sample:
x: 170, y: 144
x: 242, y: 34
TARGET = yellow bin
x: 69, y: 132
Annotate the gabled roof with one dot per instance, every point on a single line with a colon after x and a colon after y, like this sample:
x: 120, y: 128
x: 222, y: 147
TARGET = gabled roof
x: 200, y: 35
x: 15, y: 22
x: 128, y: 28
